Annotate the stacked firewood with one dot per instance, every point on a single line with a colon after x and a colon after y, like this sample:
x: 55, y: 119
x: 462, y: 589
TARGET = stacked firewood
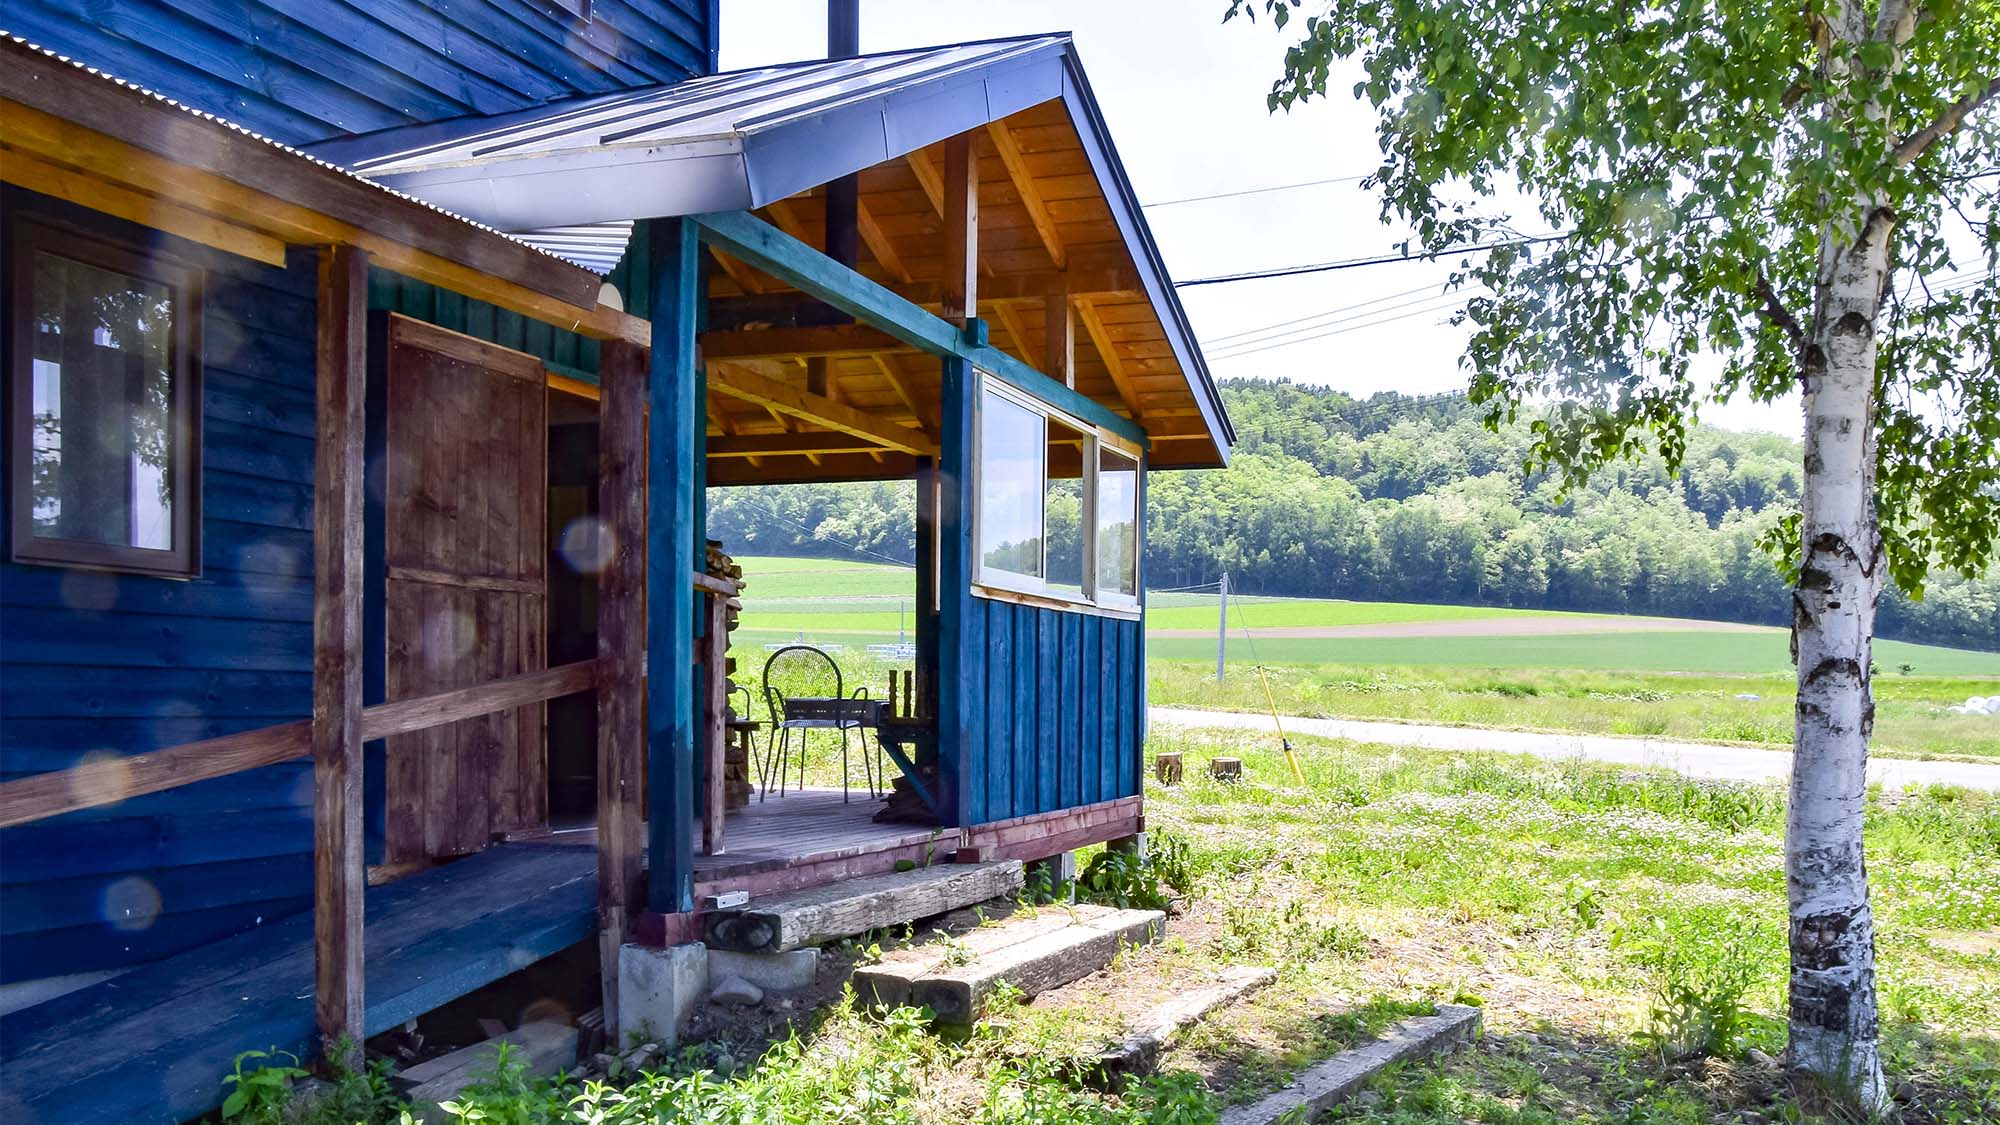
x: 736, y: 787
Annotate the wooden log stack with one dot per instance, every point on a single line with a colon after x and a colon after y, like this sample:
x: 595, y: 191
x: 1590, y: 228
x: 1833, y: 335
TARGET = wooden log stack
x: 736, y: 785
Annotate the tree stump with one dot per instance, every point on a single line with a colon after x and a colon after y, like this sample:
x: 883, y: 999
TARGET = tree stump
x: 1167, y: 767
x: 1225, y: 769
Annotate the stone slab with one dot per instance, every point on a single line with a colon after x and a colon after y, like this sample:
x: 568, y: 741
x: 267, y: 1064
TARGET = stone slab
x: 1335, y: 1080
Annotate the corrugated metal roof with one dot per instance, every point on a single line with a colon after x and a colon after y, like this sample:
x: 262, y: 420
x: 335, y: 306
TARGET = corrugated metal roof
x: 726, y: 142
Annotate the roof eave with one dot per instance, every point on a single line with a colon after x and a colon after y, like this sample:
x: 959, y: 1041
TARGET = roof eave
x: 1131, y: 219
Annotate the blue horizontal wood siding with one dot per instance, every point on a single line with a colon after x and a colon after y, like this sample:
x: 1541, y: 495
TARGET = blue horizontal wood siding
x: 1053, y: 724
x: 305, y: 70
x: 94, y: 664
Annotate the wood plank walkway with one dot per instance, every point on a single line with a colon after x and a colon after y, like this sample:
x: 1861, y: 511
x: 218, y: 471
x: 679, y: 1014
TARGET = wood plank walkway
x: 153, y: 1044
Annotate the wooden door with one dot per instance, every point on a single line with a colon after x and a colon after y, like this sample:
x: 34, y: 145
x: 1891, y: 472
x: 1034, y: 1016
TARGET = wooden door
x: 464, y: 545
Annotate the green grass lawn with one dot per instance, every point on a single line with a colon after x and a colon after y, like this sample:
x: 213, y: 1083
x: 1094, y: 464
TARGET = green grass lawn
x: 1622, y: 930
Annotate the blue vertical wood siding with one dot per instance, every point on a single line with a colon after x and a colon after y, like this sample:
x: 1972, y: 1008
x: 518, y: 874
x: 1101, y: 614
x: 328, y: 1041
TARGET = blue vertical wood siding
x: 94, y: 663
x: 1049, y: 703
x: 305, y: 70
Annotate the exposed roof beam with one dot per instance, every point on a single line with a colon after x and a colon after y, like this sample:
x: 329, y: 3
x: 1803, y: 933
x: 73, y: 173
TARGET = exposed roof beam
x: 1011, y: 320
x: 928, y: 178
x: 787, y: 219
x: 783, y: 398
x: 799, y: 343
x: 1108, y: 351
x: 900, y: 383
x: 781, y: 445
x: 1024, y: 183
x: 742, y: 275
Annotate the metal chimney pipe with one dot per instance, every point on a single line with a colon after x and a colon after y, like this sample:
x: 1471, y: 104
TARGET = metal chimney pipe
x: 843, y: 41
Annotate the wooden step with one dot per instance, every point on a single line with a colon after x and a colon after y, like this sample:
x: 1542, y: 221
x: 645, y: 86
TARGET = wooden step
x: 857, y: 906
x: 1048, y: 958
x: 887, y: 982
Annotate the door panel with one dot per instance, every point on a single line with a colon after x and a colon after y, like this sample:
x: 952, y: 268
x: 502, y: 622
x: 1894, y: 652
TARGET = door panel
x: 465, y: 493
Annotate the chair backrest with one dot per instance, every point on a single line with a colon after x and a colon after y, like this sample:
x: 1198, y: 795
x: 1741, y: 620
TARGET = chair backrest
x: 796, y: 671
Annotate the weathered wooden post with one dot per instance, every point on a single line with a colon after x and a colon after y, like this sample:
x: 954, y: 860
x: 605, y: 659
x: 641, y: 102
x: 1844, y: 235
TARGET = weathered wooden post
x: 621, y: 650
x: 340, y: 878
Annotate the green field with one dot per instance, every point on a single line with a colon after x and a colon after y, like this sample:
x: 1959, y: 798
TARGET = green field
x: 1681, y: 684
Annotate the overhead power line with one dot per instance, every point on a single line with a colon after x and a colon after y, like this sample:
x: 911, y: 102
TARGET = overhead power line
x: 1374, y: 319
x: 1355, y: 263
x: 1254, y: 191
x: 1231, y: 337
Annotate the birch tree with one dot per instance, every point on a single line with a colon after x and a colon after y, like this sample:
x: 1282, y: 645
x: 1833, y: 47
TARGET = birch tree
x: 1731, y: 197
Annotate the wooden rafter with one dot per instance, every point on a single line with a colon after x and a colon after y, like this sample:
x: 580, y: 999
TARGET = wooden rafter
x: 756, y: 446
x: 928, y: 178
x: 880, y: 245
x: 742, y: 275
x: 1010, y: 319
x: 785, y: 399
x: 900, y: 383
x: 1100, y: 338
x: 787, y: 219
x: 1024, y: 183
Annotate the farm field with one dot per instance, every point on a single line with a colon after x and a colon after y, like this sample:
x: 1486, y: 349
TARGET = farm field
x: 1514, y: 669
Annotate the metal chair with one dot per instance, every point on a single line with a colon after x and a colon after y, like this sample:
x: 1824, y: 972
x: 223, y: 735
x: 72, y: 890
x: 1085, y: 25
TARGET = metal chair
x: 805, y: 692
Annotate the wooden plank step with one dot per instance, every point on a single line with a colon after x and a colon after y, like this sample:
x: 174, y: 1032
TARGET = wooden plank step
x: 887, y: 982
x: 856, y: 906
x: 1050, y: 960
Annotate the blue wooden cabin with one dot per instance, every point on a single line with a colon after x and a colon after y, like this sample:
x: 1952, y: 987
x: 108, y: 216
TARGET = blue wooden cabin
x: 337, y: 519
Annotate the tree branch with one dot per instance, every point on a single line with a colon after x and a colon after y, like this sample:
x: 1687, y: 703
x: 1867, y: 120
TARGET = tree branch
x: 1950, y: 119
x: 1774, y: 311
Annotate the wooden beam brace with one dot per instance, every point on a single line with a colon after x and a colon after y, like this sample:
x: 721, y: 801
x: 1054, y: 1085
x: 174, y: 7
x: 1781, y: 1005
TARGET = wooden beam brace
x: 900, y: 383
x: 785, y: 399
x: 1024, y: 184
x: 1059, y: 334
x: 880, y: 246
x: 1107, y: 350
x: 806, y: 269
x: 340, y: 875
x: 961, y: 229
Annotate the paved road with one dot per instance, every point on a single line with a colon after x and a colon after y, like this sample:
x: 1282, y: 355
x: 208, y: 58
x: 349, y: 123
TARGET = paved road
x: 1693, y: 759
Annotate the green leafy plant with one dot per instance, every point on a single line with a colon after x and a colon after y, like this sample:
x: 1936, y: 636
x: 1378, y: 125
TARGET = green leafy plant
x: 261, y: 1094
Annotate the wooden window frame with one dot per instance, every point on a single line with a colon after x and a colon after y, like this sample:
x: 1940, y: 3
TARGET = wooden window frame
x: 29, y: 234
x: 1003, y: 585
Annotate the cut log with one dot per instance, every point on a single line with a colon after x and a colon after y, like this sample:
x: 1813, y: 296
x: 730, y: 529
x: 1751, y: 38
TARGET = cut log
x: 854, y: 907
x: 959, y: 995
x: 1167, y: 767
x: 1139, y: 1051
x: 1225, y: 769
x: 887, y: 983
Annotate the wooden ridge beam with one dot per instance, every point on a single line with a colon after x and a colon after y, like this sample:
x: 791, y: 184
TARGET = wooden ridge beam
x: 799, y: 343
x: 1024, y: 184
x: 784, y: 398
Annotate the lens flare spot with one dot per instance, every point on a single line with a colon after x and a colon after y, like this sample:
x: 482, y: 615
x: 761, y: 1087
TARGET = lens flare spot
x: 587, y: 543
x: 131, y: 903
x: 101, y: 777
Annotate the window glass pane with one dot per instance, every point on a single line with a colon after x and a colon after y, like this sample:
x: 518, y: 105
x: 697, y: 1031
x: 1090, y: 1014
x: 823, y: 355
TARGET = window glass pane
x: 1010, y: 487
x: 1117, y: 524
x: 1064, y: 508
x: 102, y: 451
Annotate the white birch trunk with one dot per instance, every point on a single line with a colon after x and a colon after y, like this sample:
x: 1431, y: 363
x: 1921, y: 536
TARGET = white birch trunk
x: 1832, y: 1010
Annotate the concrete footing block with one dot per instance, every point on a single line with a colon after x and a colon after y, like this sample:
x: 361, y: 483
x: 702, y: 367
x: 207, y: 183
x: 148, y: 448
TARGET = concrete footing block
x: 657, y: 988
x: 1335, y: 1080
x: 789, y: 971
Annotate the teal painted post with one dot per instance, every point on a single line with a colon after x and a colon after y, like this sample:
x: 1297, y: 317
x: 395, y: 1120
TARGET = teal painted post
x: 674, y: 441
x: 961, y: 703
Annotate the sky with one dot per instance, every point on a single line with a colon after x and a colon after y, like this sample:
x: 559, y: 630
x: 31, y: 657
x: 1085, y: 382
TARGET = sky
x: 1183, y: 95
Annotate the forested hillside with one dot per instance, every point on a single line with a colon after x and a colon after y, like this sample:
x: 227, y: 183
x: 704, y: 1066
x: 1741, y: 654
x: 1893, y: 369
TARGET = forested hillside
x: 1413, y: 499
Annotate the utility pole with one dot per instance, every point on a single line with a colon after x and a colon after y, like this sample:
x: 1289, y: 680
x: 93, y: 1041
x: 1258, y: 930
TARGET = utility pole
x: 1222, y: 628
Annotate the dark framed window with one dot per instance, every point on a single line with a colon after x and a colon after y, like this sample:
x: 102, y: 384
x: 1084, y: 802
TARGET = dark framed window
x: 104, y: 400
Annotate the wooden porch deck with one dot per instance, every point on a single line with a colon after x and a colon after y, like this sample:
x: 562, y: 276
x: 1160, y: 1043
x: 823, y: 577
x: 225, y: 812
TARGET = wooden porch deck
x: 152, y: 1045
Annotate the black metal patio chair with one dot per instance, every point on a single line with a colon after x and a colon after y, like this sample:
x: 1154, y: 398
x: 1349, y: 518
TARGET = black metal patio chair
x: 805, y: 692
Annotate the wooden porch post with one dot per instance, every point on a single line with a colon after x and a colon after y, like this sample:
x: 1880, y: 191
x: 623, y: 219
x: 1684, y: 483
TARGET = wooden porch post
x: 339, y: 877
x: 674, y: 441
x: 621, y: 651
x: 958, y: 696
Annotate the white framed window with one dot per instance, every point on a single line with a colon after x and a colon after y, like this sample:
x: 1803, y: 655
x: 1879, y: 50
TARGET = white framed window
x: 1056, y: 504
